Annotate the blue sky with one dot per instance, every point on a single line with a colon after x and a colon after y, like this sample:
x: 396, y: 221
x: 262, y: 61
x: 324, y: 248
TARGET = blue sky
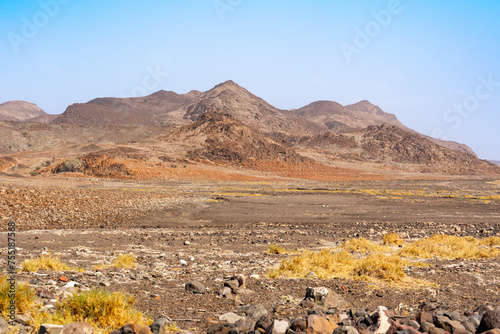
x: 435, y: 64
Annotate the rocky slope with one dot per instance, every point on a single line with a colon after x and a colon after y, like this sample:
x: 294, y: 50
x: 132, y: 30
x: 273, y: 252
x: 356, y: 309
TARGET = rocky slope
x: 349, y: 118
x: 391, y: 143
x: 21, y: 111
x: 223, y: 138
x: 151, y: 110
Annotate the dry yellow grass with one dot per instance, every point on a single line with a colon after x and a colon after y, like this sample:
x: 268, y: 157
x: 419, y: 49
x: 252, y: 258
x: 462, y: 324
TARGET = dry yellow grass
x: 328, y: 264
x: 25, y: 297
x: 452, y: 247
x: 382, y: 263
x: 276, y: 249
x: 44, y: 262
x: 100, y: 308
x: 361, y: 245
x: 126, y: 261
x: 392, y: 239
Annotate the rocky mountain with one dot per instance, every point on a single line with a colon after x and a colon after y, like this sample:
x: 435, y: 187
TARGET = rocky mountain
x: 496, y: 162
x: 21, y: 111
x: 149, y: 110
x: 169, y: 108
x: 390, y: 143
x: 341, y: 119
x: 223, y: 138
x: 358, y: 116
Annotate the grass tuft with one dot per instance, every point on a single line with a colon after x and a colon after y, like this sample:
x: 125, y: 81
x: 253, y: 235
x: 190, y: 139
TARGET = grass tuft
x: 452, y: 247
x: 361, y: 245
x: 276, y: 249
x: 44, y: 262
x: 392, y: 239
x: 127, y: 261
x: 102, y: 309
x: 25, y: 297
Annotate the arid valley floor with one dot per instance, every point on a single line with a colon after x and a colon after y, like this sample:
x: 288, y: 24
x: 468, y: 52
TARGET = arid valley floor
x: 209, y: 231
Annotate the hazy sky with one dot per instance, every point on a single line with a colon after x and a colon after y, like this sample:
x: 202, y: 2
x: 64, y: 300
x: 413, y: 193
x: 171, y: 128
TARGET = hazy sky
x: 435, y: 64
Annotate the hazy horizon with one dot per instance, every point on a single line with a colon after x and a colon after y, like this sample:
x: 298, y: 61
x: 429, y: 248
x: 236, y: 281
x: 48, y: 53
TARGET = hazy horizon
x: 434, y: 65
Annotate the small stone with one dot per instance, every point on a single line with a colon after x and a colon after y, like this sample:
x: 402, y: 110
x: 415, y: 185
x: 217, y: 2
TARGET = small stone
x: 50, y: 329
x: 447, y: 324
x: 318, y: 325
x: 278, y: 327
x: 158, y: 326
x: 226, y: 292
x: 78, y: 328
x: 346, y: 330
x: 263, y: 323
x: 426, y: 327
x: 490, y: 320
x: 46, y: 294
x: 255, y: 311
x: 135, y: 329
x: 233, y: 284
x: 230, y: 317
x: 298, y: 325
x: 195, y: 287
x: 318, y: 295
x: 187, y: 243
x: 70, y: 284
x: 4, y: 325
x: 424, y: 316
x: 63, y: 279
x: 414, y: 324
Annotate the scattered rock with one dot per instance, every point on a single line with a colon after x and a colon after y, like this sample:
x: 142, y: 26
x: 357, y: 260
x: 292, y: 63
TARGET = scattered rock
x: 490, y: 320
x: 195, y: 287
x: 318, y: 325
x: 78, y: 328
x: 278, y: 327
x: 158, y: 326
x: 50, y: 329
x: 230, y: 317
x: 255, y: 311
x: 4, y: 326
x: 447, y: 324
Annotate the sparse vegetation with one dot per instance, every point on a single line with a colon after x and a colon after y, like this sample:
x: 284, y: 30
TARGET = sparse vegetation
x: 392, y: 239
x: 44, y: 262
x: 452, y: 247
x: 72, y: 165
x: 25, y: 297
x: 382, y: 263
x: 276, y: 249
x: 101, y: 308
x: 126, y: 261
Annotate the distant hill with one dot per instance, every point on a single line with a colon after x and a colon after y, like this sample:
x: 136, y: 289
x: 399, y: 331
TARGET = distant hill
x: 137, y: 111
x: 228, y: 124
x: 496, y: 162
x: 21, y: 111
x: 341, y: 119
x: 168, y: 108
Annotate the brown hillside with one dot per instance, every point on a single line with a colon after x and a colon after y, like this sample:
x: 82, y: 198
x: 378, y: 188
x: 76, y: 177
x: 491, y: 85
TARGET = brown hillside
x: 230, y: 98
x: 225, y: 139
x: 20, y: 111
x: 390, y: 143
x: 349, y: 118
x: 149, y: 110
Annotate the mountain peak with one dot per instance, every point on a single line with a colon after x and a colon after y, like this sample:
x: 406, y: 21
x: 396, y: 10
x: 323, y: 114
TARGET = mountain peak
x: 19, y: 111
